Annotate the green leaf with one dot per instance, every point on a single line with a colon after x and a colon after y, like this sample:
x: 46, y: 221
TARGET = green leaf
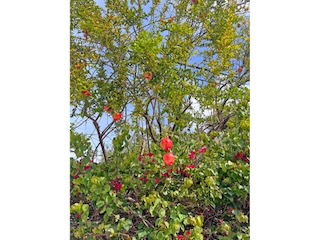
x: 162, y: 212
x: 100, y: 204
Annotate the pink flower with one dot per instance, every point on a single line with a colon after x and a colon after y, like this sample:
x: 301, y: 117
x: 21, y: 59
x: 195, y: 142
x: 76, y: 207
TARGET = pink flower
x: 202, y: 150
x: 180, y: 237
x: 188, y: 233
x: 192, y: 155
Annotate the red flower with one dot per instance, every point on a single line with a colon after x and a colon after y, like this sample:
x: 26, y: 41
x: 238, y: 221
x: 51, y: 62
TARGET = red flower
x: 78, y: 216
x: 240, y: 70
x: 116, y: 185
x: 86, y: 168
x: 192, y: 155
x: 85, y: 93
x: 190, y: 167
x: 150, y: 154
x: 147, y: 76
x: 116, y: 117
x: 107, y: 109
x: 180, y: 237
x: 166, y: 175
x: 245, y: 159
x: 239, y: 156
x: 202, y: 150
x: 75, y: 176
x: 157, y: 180
x: 144, y: 180
x: 188, y: 233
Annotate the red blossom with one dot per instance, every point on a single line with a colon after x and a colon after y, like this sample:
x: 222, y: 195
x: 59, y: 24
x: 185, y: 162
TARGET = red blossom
x: 166, y: 175
x: 202, y: 150
x: 86, y: 168
x: 245, y: 159
x: 116, y: 185
x: 107, y: 109
x: 180, y: 237
x: 157, y: 180
x: 148, y: 76
x: 150, y: 154
x: 239, y: 156
x: 75, y: 176
x: 190, y: 166
x: 86, y: 93
x: 116, y: 117
x: 188, y: 233
x: 192, y: 155
x: 78, y: 216
x: 144, y: 180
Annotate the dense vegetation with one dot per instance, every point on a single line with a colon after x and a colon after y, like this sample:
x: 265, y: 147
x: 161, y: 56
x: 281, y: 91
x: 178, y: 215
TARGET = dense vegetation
x: 164, y: 84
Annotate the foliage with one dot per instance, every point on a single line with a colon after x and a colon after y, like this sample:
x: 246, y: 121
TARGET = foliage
x: 150, y: 63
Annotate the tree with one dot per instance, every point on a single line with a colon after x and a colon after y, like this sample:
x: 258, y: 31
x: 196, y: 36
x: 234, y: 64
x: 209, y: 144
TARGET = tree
x: 152, y: 62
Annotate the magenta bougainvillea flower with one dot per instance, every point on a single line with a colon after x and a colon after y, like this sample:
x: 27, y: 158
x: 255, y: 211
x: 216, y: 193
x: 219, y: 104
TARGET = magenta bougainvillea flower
x: 202, y: 150
x: 190, y: 166
x: 144, y: 180
x: 166, y: 175
x: 245, y: 159
x: 86, y: 168
x: 192, y: 155
x: 116, y: 185
x: 75, y: 176
x: 239, y: 156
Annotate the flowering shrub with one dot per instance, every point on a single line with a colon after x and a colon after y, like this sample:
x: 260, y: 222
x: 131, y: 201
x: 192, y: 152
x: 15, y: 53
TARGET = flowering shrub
x: 169, y: 155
